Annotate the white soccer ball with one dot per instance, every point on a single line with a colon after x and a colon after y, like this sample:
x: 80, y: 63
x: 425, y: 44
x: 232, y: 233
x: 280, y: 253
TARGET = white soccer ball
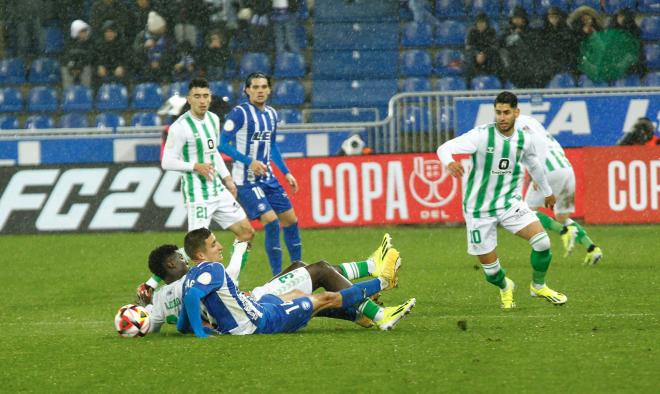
x: 132, y: 321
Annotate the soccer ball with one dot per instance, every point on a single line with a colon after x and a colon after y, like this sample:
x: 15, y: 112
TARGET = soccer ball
x: 132, y: 321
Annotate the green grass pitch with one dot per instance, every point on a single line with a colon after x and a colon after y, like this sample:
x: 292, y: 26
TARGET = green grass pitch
x: 60, y: 293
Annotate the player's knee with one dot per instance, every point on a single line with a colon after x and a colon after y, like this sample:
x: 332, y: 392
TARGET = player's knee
x: 540, y: 242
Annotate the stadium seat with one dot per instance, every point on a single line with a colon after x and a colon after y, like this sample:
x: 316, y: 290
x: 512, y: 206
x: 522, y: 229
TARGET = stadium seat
x: 417, y: 35
x: 288, y: 92
x: 450, y: 33
x: 73, y: 121
x: 44, y: 71
x: 449, y: 9
x: 560, y: 81
x: 652, y: 54
x: 595, y: 4
x: 39, y: 122
x: 542, y: 6
x: 77, y: 98
x: 416, y: 85
x: 354, y: 11
x: 356, y: 36
x: 254, y: 62
x: 450, y: 83
x: 11, y: 100
x: 179, y: 87
x: 585, y: 82
x: 612, y: 6
x: 53, y: 41
x: 485, y: 82
x: 109, y: 119
x: 649, y: 6
x: 222, y: 89
x: 359, y: 93
x: 488, y: 7
x: 8, y: 122
x: 652, y: 79
x: 12, y: 71
x: 415, y: 63
x: 350, y: 65
x: 290, y: 115
x: 145, y: 119
x: 344, y: 115
x: 449, y: 62
x: 112, y: 96
x: 42, y: 99
x: 416, y: 119
x: 650, y: 28
x: 147, y: 95
x: 509, y: 5
x: 631, y: 80
x: 289, y: 65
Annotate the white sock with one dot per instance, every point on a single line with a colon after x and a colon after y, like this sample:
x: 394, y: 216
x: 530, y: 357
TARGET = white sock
x: 538, y: 286
x: 234, y: 267
x: 152, y: 282
x: 384, y: 283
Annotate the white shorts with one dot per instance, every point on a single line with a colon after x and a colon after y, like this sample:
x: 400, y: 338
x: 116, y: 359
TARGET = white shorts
x: 482, y: 232
x: 562, y: 183
x: 297, y: 279
x: 225, y: 211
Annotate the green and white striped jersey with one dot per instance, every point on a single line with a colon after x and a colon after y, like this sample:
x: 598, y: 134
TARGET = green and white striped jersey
x: 189, y: 141
x: 549, y: 152
x: 494, y: 181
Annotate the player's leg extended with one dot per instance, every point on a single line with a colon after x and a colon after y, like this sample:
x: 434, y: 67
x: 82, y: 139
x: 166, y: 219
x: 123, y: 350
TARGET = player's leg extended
x: 594, y: 253
x: 272, y: 241
x: 291, y: 234
x: 372, y: 266
x: 241, y: 246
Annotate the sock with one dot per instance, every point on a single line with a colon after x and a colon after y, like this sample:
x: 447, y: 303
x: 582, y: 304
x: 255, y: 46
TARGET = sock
x: 154, y: 281
x: 582, y: 236
x: 549, y: 223
x: 273, y: 249
x: 352, y: 296
x: 371, y: 310
x: 236, y: 261
x: 495, y: 274
x: 293, y: 242
x: 540, y: 263
x: 355, y: 270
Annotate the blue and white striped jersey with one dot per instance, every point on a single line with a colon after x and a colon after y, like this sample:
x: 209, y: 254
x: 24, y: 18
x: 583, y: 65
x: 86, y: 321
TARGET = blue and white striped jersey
x: 233, y: 312
x: 252, y: 132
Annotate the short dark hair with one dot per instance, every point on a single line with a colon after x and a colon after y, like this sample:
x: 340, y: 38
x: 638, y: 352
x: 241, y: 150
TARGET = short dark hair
x: 255, y: 75
x: 195, y: 241
x: 507, y: 98
x: 158, y: 257
x: 198, y: 83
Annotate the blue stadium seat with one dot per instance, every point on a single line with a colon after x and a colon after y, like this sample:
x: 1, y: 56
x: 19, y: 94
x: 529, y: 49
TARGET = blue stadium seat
x: 42, y: 99
x: 417, y: 35
x: 222, y: 89
x: 595, y: 4
x: 612, y: 6
x: 488, y: 7
x: 145, y: 119
x: 290, y: 115
x: 652, y: 79
x: 147, y: 95
x: 508, y: 85
x: 652, y: 54
x: 450, y: 33
x: 509, y: 5
x: 39, y: 122
x: 8, y: 122
x: 542, y: 6
x: 449, y: 9
x: 109, y: 119
x: 560, y: 81
x: 289, y: 65
x: 53, y: 41
x: 352, y: 65
x: 449, y: 62
x: 12, y: 71
x: 356, y: 36
x: 179, y: 87
x: 450, y: 83
x: 288, y: 92
x: 485, y: 82
x: 415, y: 63
x: 650, y: 28
x: 77, y: 98
x: 355, y: 11
x: 44, y: 71
x: 73, y: 121
x: 112, y: 96
x: 254, y: 62
x: 365, y: 93
x: 416, y: 119
x: 585, y: 82
x: 344, y: 115
x: 416, y: 85
x: 649, y: 6
x: 11, y: 100
x: 631, y: 80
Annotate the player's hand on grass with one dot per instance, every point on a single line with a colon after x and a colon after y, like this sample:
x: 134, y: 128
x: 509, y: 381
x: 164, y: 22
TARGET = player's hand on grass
x: 258, y: 168
x: 550, y: 201
x: 143, y: 294
x: 456, y: 169
x: 231, y: 186
x: 206, y: 169
x: 292, y: 181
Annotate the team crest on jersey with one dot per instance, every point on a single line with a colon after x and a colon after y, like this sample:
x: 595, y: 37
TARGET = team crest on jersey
x: 430, y: 184
x: 229, y: 125
x: 204, y: 278
x: 305, y: 305
x: 261, y: 207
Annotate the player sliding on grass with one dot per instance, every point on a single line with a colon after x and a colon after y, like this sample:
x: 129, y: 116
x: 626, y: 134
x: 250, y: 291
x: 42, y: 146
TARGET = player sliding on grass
x: 562, y: 182
x: 492, y: 194
x: 295, y: 281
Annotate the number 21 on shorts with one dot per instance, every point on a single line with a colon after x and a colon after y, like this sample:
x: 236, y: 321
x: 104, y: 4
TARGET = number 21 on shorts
x: 200, y: 213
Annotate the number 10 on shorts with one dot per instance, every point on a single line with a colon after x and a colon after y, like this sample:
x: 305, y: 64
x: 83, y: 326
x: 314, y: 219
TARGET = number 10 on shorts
x: 475, y: 236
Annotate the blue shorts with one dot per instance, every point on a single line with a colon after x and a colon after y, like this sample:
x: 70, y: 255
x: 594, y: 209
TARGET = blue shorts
x: 260, y: 197
x: 282, y: 317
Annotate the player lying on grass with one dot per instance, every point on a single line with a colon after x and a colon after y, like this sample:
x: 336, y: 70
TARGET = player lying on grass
x: 300, y: 278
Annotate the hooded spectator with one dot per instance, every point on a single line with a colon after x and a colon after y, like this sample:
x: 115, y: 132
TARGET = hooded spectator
x: 520, y: 45
x: 110, y: 54
x: 624, y: 19
x: 559, y: 43
x: 481, y: 50
x: 78, y: 55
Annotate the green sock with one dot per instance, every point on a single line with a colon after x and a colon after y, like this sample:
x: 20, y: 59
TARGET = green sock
x: 540, y: 263
x: 498, y: 278
x: 549, y: 223
x: 369, y: 308
x: 582, y: 236
x: 245, y: 259
x: 356, y: 270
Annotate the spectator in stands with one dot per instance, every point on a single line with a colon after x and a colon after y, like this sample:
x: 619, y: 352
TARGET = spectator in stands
x: 624, y: 19
x: 213, y: 58
x: 584, y: 21
x: 481, y: 50
x: 223, y: 17
x: 110, y: 55
x: 260, y: 29
x: 139, y: 15
x: 154, y: 50
x: 421, y: 13
x: 558, y: 44
x: 185, y: 16
x: 78, y: 56
x: 184, y: 67
x: 285, y: 24
x: 103, y: 10
x: 23, y: 20
x: 519, y: 44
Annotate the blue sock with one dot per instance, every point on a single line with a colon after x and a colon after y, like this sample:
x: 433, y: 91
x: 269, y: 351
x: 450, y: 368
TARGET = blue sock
x: 293, y: 242
x: 351, y: 296
x: 273, y: 248
x: 349, y: 314
x: 371, y: 286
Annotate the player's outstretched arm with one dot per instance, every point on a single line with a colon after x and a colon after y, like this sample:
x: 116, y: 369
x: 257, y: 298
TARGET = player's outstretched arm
x: 190, y: 316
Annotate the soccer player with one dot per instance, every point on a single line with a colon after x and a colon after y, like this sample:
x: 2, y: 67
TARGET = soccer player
x: 562, y: 182
x: 249, y: 137
x: 492, y: 194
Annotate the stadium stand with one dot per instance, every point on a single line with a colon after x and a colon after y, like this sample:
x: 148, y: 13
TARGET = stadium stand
x: 39, y: 122
x: 485, y: 82
x: 563, y: 80
x: 288, y: 92
x: 8, y: 122
x: 289, y: 65
x: 42, y: 99
x: 73, y: 120
x: 450, y: 83
x: 77, y: 98
x: 417, y: 35
x: 354, y: 64
x: 222, y: 89
x: 254, y: 62
x: 147, y: 95
x: 11, y: 100
x: 145, y: 119
x: 415, y: 63
x: 44, y: 71
x: 290, y: 115
x: 416, y: 85
x: 112, y: 96
x: 585, y: 82
x: 109, y: 119
x: 12, y: 71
